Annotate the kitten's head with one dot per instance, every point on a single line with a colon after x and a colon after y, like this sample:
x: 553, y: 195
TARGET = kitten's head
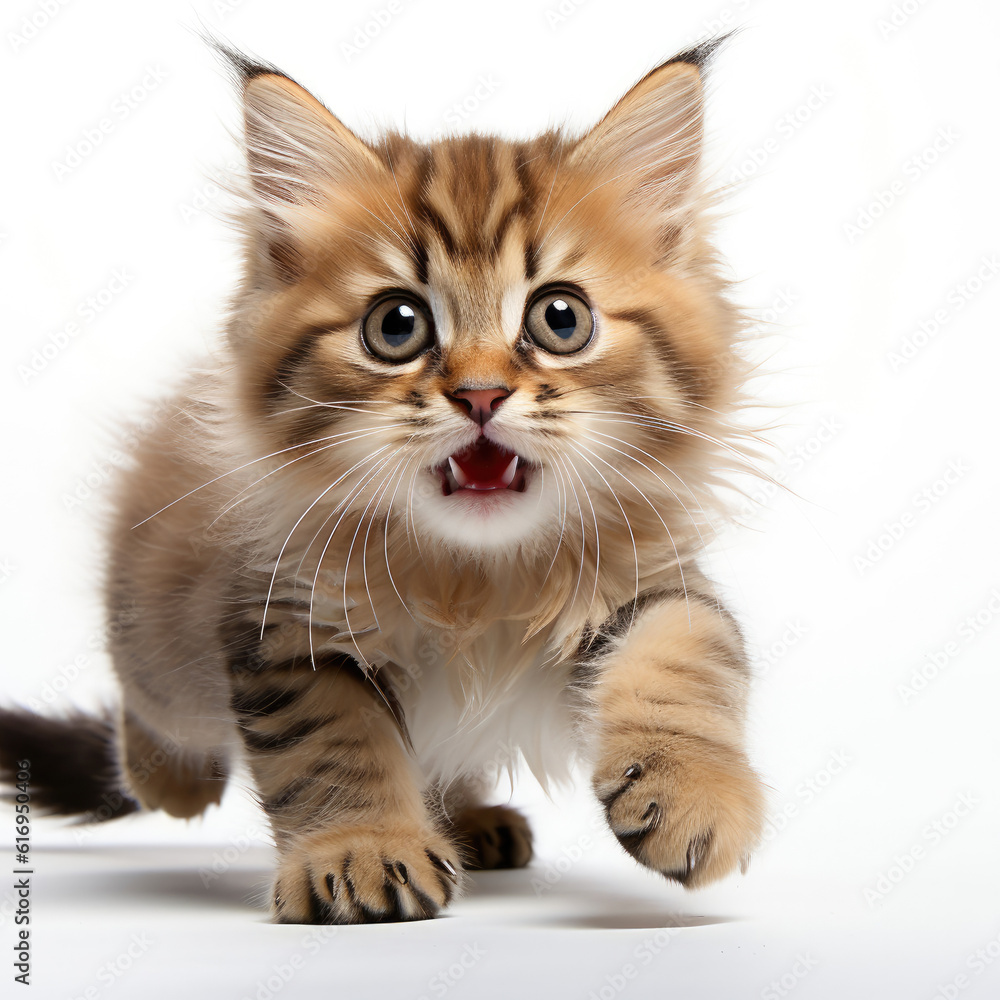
x: 500, y: 345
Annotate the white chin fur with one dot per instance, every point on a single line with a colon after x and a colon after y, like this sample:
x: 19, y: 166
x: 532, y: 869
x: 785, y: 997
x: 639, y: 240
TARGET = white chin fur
x: 483, y: 522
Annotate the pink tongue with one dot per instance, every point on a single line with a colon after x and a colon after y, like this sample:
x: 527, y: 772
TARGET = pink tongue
x: 484, y: 465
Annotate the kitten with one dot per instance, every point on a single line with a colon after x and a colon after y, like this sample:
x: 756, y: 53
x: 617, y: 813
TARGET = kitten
x: 437, y: 506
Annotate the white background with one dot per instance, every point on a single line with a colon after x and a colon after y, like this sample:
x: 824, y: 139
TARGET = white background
x: 862, y: 137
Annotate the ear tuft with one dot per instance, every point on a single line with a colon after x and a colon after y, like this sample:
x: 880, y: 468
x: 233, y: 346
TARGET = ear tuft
x: 701, y: 55
x: 240, y: 67
x: 297, y: 155
x: 652, y: 138
x: 294, y: 144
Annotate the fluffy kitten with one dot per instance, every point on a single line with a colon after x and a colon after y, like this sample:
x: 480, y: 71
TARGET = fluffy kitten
x: 437, y: 506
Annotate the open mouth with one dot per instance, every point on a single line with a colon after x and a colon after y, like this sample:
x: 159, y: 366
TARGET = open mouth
x: 481, y: 468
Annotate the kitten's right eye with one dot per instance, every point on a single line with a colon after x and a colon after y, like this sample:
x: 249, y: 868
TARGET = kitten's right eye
x: 397, y: 328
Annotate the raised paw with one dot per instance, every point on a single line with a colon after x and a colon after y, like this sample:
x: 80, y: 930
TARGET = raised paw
x: 493, y: 837
x: 689, y: 808
x: 358, y: 875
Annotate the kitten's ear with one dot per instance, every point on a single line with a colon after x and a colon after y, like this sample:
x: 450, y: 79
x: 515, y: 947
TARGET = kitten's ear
x: 653, y: 135
x: 297, y: 152
x: 294, y: 144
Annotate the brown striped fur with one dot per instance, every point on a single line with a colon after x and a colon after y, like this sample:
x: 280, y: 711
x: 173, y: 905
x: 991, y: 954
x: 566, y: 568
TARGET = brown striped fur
x: 321, y: 607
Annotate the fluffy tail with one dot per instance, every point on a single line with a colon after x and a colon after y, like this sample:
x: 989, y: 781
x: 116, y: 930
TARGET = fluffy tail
x: 73, y: 764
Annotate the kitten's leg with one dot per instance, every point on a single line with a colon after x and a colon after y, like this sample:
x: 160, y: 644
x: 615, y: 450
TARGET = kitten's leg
x: 492, y: 837
x: 162, y: 772
x: 487, y: 837
x: 671, y: 770
x: 356, y: 843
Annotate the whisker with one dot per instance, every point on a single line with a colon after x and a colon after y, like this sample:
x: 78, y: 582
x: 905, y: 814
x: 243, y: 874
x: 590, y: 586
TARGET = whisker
x: 597, y: 530
x: 628, y: 524
x: 562, y: 501
x: 673, y: 544
x: 240, y: 468
x: 640, y: 419
x: 347, y: 440
x: 388, y: 514
x: 295, y: 526
x: 319, y: 565
x: 583, y: 535
x: 628, y: 444
x: 344, y: 504
x: 377, y: 499
x: 333, y: 404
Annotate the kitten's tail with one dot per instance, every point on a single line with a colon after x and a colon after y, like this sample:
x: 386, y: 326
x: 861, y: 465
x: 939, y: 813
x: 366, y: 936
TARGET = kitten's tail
x: 71, y: 762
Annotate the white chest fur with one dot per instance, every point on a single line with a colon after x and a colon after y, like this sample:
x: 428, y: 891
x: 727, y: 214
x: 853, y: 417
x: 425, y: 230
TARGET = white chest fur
x: 479, y: 708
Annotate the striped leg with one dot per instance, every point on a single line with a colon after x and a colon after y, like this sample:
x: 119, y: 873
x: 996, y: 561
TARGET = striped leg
x: 356, y: 843
x: 671, y: 771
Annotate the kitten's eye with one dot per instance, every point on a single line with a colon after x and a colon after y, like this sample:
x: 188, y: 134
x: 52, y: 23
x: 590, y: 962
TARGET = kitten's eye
x: 397, y: 328
x: 559, y: 321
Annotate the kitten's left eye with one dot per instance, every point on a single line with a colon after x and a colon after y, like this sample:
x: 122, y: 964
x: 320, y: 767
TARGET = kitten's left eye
x: 559, y: 321
x: 398, y: 328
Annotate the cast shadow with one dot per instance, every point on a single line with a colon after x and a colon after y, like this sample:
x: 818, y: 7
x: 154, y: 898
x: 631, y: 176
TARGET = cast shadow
x: 588, y: 903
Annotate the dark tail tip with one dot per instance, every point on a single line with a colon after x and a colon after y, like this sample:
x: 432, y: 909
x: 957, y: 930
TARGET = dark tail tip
x: 71, y: 760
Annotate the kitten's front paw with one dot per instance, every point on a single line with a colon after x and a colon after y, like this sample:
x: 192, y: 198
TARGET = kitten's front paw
x: 690, y: 809
x: 359, y: 875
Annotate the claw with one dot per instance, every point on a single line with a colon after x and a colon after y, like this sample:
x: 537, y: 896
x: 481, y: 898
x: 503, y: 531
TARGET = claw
x: 697, y: 849
x: 633, y: 771
x: 444, y: 865
x: 398, y: 871
x: 331, y: 885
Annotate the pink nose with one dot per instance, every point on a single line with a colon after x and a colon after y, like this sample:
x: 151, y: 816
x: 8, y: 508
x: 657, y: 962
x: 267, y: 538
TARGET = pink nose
x: 480, y: 403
